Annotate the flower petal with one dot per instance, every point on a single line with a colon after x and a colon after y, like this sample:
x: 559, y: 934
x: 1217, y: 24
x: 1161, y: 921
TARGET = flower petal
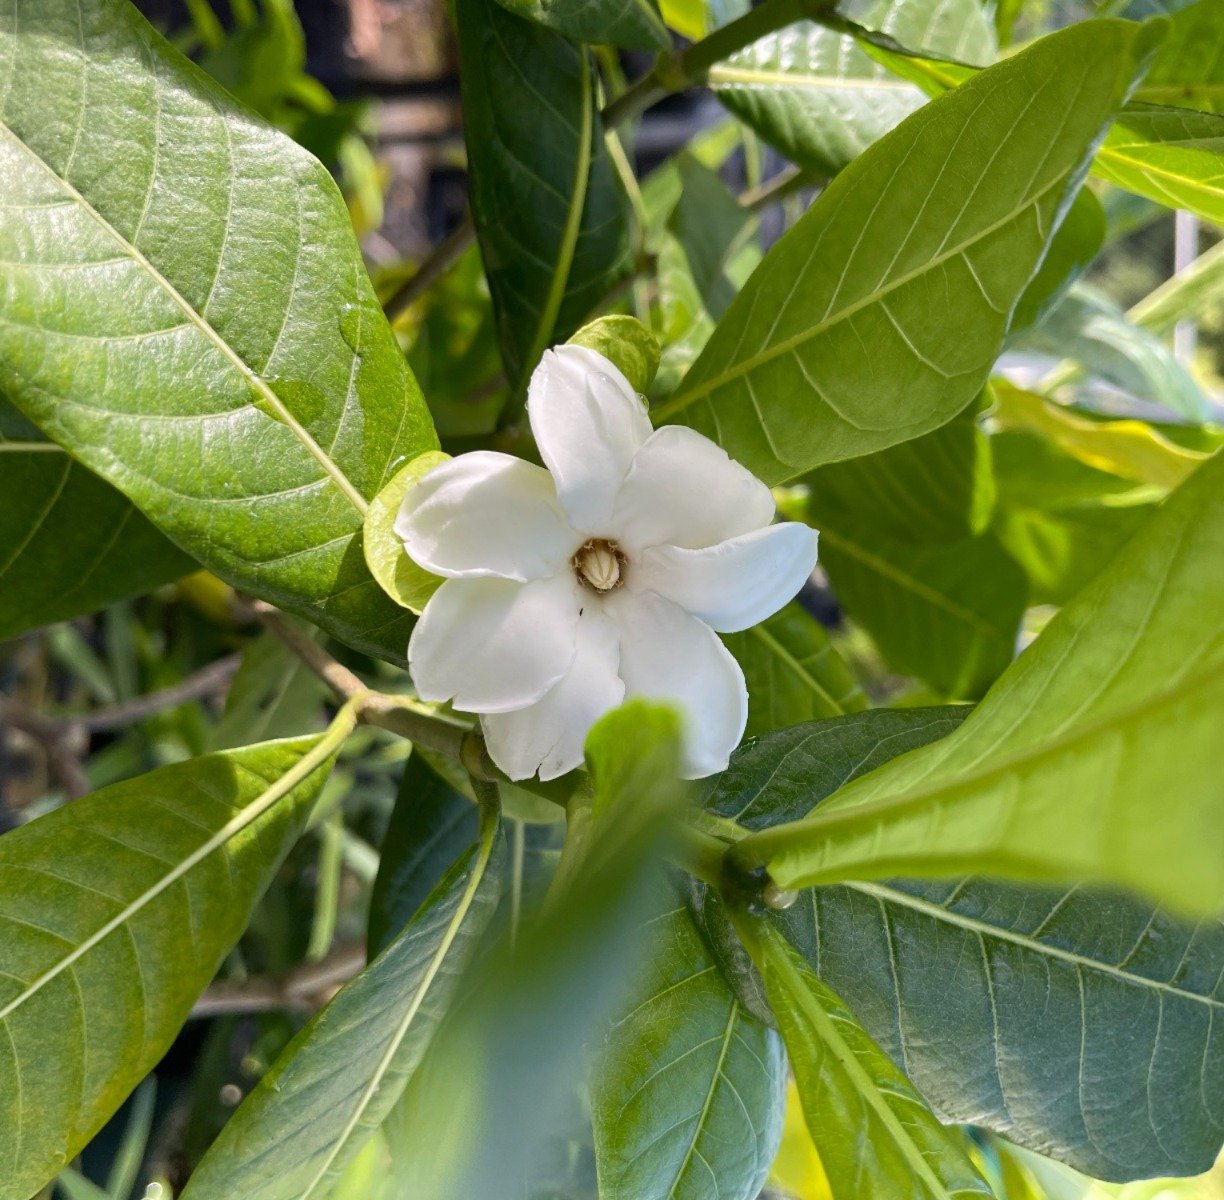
x: 588, y: 423
x: 486, y: 514
x: 737, y: 583
x: 683, y: 490
x: 547, y: 737
x: 489, y: 645
x: 668, y: 655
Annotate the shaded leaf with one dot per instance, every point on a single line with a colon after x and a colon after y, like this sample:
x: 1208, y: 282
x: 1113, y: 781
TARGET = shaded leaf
x: 1061, y: 520
x: 1189, y: 70
x: 874, y: 1132
x: 632, y: 24
x: 116, y: 911
x: 792, y: 671
x: 687, y: 1091
x: 69, y: 543
x: 213, y: 349
x: 1004, y: 1004
x: 431, y: 825
x: 331, y: 1088
x: 820, y: 99
x: 549, y: 211
x: 838, y: 345
x: 1113, y: 706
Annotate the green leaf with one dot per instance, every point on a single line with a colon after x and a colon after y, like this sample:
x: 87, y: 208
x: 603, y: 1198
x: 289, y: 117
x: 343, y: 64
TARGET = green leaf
x: 705, y: 256
x: 1128, y: 448
x: 821, y: 100
x: 549, y: 210
x: 948, y: 977
x: 793, y: 672
x: 874, y: 1132
x: 333, y: 1085
x: 197, y: 328
x: 1169, y: 155
x: 1189, y: 70
x: 273, y: 695
x: 402, y: 579
x: 431, y: 825
x: 839, y: 344
x: 69, y: 543
x: 115, y: 912
x: 947, y: 612
x: 631, y: 24
x: 1104, y: 722
x: 507, y: 1061
x: 1062, y: 520
x: 1091, y: 329
x: 1076, y: 243
x: 688, y: 1090
x: 626, y: 342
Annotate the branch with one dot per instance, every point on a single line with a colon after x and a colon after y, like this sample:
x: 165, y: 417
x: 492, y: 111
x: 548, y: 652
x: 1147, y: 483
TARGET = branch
x: 211, y: 680
x: 436, y: 264
x: 304, y: 989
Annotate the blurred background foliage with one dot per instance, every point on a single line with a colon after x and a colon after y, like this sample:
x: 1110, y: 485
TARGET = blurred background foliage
x: 371, y: 88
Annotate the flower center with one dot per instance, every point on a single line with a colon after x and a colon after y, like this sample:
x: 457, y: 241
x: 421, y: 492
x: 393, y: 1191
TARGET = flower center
x: 599, y: 564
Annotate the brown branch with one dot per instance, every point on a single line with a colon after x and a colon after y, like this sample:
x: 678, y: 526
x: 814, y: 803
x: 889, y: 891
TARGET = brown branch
x: 338, y: 677
x: 58, y: 741
x: 304, y: 989
x: 211, y: 680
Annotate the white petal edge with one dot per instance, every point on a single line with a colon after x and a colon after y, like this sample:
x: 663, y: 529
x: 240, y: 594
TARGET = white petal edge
x: 588, y: 424
x: 491, y: 645
x: 669, y: 655
x: 486, y: 514
x: 736, y: 584
x: 547, y: 737
x: 684, y: 490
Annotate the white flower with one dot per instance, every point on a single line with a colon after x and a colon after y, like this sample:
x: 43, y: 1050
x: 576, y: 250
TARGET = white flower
x: 605, y: 576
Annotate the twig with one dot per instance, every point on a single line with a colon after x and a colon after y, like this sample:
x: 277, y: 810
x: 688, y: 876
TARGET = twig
x: 57, y: 741
x: 307, y: 987
x: 211, y: 680
x: 338, y: 677
x: 439, y: 260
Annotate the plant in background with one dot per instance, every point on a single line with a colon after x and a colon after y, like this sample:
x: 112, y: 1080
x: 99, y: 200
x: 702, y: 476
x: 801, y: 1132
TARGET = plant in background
x: 972, y: 940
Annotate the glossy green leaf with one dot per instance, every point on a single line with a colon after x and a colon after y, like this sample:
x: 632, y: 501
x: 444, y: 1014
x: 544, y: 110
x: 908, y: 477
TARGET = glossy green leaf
x: 508, y: 1060
x: 407, y: 583
x: 212, y: 348
x: 69, y: 543
x: 548, y: 208
x: 793, y: 672
x: 1189, y: 70
x: 821, y: 99
x: 1062, y: 520
x: 1092, y: 758
x: 688, y: 1089
x: 633, y: 24
x: 1090, y: 329
x: 1170, y: 155
x: 431, y: 825
x: 1003, y: 1004
x: 874, y: 1132
x: 116, y: 911
x: 333, y: 1085
x: 838, y: 345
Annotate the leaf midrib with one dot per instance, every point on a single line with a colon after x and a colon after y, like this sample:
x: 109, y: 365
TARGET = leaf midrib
x: 325, y: 746
x: 729, y: 75
x: 823, y: 1024
x: 983, y: 929
x: 479, y: 867
x: 854, y: 812
x: 701, y: 390
x: 197, y: 319
x: 795, y: 665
